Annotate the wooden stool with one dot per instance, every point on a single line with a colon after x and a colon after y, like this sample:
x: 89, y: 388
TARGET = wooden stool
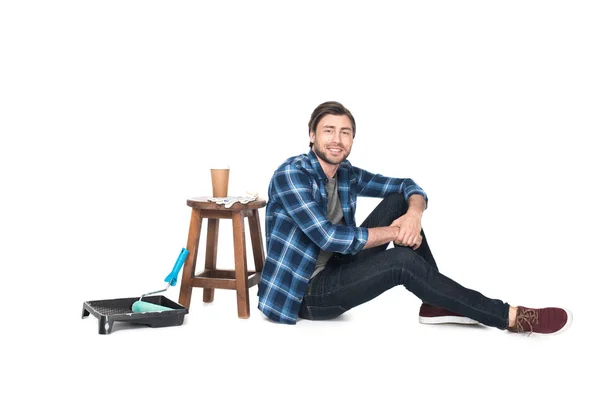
x: 239, y: 279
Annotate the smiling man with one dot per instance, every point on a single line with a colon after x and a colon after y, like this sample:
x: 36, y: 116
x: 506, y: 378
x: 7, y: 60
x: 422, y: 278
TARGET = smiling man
x: 320, y: 264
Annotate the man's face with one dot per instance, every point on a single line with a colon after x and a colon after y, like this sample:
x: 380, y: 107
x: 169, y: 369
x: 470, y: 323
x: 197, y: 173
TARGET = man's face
x: 333, y: 139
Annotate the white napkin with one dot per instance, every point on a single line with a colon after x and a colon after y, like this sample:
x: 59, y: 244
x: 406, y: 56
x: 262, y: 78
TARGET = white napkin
x: 231, y: 200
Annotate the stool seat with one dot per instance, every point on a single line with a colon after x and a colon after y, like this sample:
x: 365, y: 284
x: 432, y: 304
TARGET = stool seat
x: 239, y: 278
x: 202, y: 203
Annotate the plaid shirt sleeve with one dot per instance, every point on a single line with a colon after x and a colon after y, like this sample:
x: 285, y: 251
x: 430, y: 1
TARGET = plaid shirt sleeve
x: 294, y: 190
x: 376, y: 185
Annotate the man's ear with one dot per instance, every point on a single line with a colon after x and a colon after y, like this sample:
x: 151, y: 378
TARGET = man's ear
x: 312, y: 137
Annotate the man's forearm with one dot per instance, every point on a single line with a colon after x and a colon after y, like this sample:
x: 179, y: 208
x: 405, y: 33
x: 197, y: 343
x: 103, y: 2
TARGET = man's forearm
x: 416, y: 204
x: 387, y: 234
x: 383, y: 235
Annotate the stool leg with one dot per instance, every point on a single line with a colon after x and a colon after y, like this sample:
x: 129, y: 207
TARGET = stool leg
x: 241, y: 270
x: 256, y: 238
x: 212, y: 241
x: 189, y: 268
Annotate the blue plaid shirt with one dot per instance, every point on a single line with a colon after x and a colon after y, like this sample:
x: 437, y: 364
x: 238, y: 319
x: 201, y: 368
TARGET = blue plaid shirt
x: 297, y: 226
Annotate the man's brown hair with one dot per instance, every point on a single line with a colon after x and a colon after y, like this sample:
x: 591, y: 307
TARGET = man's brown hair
x: 329, y: 107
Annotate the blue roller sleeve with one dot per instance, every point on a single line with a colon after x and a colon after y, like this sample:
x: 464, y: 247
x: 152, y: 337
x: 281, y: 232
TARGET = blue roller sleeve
x: 143, y: 306
x: 171, y: 279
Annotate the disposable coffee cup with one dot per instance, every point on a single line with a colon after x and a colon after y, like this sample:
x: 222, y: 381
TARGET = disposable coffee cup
x: 220, y: 180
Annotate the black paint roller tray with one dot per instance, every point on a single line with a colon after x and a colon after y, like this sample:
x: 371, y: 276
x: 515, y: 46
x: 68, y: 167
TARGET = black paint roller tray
x: 109, y: 311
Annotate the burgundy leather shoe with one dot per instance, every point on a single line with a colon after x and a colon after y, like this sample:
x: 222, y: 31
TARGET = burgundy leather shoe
x: 550, y: 320
x: 429, y: 314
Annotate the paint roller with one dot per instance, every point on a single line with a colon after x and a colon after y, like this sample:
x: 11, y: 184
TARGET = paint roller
x: 171, y: 279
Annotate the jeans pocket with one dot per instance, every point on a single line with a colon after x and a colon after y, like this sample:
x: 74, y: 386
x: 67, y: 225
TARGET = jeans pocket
x: 324, y: 313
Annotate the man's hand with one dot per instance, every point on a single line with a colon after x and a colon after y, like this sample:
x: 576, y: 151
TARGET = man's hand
x: 415, y: 246
x: 410, y: 223
x: 410, y: 230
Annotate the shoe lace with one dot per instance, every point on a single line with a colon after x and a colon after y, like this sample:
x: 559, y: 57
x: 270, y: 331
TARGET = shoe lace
x: 528, y: 316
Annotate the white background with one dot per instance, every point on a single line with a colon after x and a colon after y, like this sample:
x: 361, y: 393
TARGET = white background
x: 112, y: 112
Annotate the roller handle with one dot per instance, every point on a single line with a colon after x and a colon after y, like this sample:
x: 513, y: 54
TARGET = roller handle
x: 171, y: 279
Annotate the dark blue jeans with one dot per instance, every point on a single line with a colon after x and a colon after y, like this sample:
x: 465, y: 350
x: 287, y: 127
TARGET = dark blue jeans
x: 350, y: 280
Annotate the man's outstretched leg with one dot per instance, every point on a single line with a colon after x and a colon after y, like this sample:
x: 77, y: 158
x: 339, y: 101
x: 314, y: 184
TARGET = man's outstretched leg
x: 343, y: 286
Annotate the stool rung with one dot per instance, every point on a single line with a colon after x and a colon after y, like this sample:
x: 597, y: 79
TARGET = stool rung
x: 222, y: 279
x: 217, y: 273
x: 213, y: 283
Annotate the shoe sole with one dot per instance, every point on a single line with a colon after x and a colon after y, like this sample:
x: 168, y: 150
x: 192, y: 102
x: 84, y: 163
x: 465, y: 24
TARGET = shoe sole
x: 447, y: 320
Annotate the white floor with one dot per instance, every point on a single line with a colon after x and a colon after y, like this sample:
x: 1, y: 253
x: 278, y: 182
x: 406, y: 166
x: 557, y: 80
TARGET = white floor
x: 377, y: 350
